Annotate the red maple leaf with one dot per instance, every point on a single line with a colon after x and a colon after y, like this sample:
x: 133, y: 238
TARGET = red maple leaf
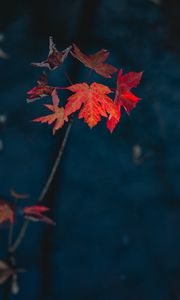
x: 35, y: 209
x: 95, y: 61
x: 6, y: 212
x: 124, y: 97
x: 92, y: 101
x: 125, y: 83
x: 40, y: 91
x: 55, y: 57
x: 58, y: 116
x: 35, y: 213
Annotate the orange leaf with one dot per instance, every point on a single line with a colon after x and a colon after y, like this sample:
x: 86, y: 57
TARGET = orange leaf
x: 55, y: 98
x: 92, y: 101
x: 95, y: 61
x: 58, y: 116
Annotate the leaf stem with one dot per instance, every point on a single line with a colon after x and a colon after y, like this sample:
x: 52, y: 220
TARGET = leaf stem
x: 20, y: 237
x: 89, y: 75
x: 68, y: 78
x: 11, y: 229
x: 56, y: 163
x: 44, y: 191
x: 10, y: 235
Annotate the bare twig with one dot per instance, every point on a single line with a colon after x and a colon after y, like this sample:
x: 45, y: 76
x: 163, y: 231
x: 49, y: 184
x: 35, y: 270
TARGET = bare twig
x: 10, y: 235
x: 56, y: 163
x: 15, y: 245
x: 11, y: 229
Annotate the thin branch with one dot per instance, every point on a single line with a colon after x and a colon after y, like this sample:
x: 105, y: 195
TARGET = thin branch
x: 20, y: 237
x: 44, y: 191
x: 56, y: 163
x: 11, y: 229
x: 10, y: 235
x: 89, y: 75
x: 67, y: 77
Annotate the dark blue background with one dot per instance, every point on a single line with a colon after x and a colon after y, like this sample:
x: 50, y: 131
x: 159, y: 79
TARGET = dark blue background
x: 118, y: 224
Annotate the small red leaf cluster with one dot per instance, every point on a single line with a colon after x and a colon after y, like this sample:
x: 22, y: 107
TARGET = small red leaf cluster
x: 92, y: 101
x: 36, y: 213
x: 8, y: 212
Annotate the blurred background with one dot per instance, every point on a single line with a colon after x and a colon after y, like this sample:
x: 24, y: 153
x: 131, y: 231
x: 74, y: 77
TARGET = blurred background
x: 115, y: 198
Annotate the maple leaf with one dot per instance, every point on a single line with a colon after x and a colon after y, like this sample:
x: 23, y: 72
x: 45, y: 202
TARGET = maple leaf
x: 92, y: 101
x: 55, y: 57
x: 95, y: 61
x: 6, y: 212
x: 55, y: 98
x: 40, y: 91
x: 58, y: 116
x: 35, y: 209
x: 112, y: 121
x: 124, y: 97
x: 125, y: 83
x: 35, y: 213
